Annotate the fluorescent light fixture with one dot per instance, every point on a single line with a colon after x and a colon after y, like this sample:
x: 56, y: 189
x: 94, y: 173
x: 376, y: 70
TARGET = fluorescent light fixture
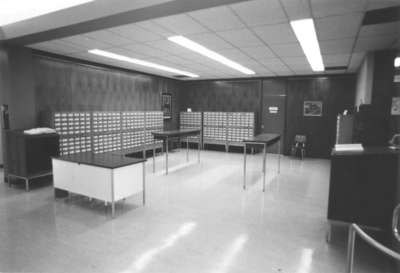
x: 397, y: 62
x: 307, y: 37
x: 12, y: 11
x: 118, y: 57
x: 189, y: 44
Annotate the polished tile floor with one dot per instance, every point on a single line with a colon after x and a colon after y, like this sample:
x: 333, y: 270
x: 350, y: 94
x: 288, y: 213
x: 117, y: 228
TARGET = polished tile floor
x: 197, y: 219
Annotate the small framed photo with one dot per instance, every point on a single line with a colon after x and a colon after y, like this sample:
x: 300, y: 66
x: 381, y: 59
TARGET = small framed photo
x: 166, y: 105
x: 312, y: 109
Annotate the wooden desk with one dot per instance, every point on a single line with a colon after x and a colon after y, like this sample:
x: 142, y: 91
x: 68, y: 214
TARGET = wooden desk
x: 265, y: 140
x: 363, y: 185
x: 106, y: 176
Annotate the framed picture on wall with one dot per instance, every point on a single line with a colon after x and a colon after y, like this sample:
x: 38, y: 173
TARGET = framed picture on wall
x: 312, y: 108
x: 166, y: 105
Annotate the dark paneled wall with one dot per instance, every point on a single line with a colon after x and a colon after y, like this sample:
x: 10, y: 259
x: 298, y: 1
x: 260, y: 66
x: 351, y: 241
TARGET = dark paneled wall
x: 224, y: 96
x: 336, y: 93
x: 66, y: 86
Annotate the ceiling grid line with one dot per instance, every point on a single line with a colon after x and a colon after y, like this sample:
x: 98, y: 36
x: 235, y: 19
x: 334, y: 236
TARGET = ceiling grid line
x: 262, y: 41
x: 234, y: 46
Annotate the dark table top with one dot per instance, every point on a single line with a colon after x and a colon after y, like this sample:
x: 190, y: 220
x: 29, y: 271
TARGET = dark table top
x: 268, y: 139
x: 103, y: 160
x: 176, y: 133
x: 377, y: 150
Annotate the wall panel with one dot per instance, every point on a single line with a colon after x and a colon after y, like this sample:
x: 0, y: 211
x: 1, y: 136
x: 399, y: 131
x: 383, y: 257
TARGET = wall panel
x: 66, y: 86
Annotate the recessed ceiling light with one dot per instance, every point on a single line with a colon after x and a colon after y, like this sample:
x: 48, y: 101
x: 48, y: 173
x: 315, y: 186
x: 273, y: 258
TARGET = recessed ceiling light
x: 118, y: 57
x: 307, y: 37
x: 397, y: 62
x: 12, y: 11
x: 189, y: 44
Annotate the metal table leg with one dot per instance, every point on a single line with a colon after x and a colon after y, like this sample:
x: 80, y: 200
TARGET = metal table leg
x: 166, y: 155
x: 264, y: 167
x: 154, y: 156
x: 244, y: 166
x: 26, y: 184
x: 198, y: 151
x: 112, y: 195
x: 144, y: 183
x: 279, y: 156
x: 187, y: 149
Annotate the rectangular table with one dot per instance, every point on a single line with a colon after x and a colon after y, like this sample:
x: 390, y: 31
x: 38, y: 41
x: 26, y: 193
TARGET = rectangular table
x: 105, y: 176
x: 167, y: 135
x: 265, y: 140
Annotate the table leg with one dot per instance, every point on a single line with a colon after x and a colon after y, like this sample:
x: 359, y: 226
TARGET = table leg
x: 279, y: 156
x: 166, y: 155
x: 9, y: 180
x: 144, y: 183
x: 244, y: 166
x: 198, y: 151
x: 112, y: 195
x: 26, y: 184
x: 187, y: 149
x: 264, y: 165
x: 154, y: 158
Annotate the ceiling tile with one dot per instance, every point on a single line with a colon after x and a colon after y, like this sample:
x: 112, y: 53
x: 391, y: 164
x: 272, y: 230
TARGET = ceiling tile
x: 381, y: 29
x: 298, y: 61
x: 258, y: 52
x: 336, y: 59
x: 240, y: 37
x: 287, y: 50
x: 86, y: 42
x: 235, y: 55
x: 145, y: 50
x: 218, y: 19
x: 338, y: 46
x: 135, y: 33
x: 338, y: 27
x: 155, y: 28
x: 180, y: 24
x: 108, y: 37
x: 370, y: 43
x: 57, y: 46
x: 168, y: 46
x: 323, y: 8
x: 276, y: 34
x: 210, y: 40
x: 297, y: 9
x: 260, y: 12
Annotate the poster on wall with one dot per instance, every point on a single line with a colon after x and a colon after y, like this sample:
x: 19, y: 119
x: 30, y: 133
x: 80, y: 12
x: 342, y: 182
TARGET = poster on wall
x: 166, y: 105
x: 312, y: 109
x: 395, y: 106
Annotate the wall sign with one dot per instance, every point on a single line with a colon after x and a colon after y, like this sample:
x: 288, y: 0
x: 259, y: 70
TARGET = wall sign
x: 312, y: 109
x: 166, y: 105
x: 273, y: 109
x: 395, y: 106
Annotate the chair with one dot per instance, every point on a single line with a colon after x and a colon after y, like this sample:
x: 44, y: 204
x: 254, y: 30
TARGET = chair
x: 299, y: 144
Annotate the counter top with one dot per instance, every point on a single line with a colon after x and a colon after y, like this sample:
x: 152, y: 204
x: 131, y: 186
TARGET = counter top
x: 376, y: 150
x: 176, y: 133
x: 268, y: 139
x: 103, y: 160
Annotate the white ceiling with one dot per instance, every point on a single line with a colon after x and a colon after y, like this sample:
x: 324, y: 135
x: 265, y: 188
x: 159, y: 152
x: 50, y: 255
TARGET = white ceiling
x: 254, y: 33
x: 89, y: 11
